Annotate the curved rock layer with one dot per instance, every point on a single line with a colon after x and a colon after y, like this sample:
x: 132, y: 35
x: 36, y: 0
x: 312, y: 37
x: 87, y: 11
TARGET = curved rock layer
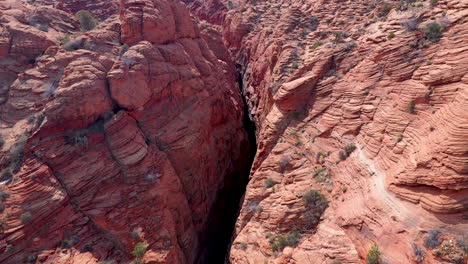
x: 366, y: 103
x: 122, y: 135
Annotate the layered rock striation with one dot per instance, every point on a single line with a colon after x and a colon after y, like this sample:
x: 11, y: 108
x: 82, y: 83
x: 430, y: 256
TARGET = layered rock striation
x: 363, y: 102
x: 115, y: 137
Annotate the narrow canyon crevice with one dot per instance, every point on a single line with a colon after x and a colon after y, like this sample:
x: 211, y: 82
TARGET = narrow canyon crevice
x: 217, y: 238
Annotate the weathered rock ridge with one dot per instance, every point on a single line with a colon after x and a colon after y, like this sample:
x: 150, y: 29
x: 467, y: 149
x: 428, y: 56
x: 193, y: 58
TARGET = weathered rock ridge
x: 116, y: 136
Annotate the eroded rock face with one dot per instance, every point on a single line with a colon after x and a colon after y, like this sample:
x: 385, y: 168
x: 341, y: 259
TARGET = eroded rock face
x: 105, y: 146
x: 367, y: 80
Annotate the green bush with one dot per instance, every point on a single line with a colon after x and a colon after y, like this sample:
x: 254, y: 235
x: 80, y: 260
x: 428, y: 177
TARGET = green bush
x: 384, y: 10
x: 139, y: 250
x: 373, y: 255
x: 87, y: 21
x: 342, y: 155
x: 26, y: 217
x: 434, y: 3
x: 292, y: 240
x: 411, y: 106
x: 269, y: 183
x: 433, y: 31
x: 315, y: 205
x: 349, y: 149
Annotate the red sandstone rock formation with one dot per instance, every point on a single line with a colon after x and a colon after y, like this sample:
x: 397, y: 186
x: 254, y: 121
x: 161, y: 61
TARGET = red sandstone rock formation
x: 125, y: 137
x: 323, y: 75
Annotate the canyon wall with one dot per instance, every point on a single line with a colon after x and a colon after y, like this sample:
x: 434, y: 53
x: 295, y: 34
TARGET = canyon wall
x: 360, y: 107
x: 114, y: 137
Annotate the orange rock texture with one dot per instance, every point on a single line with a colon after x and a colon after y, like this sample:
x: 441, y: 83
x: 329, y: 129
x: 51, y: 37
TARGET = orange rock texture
x: 116, y: 136
x: 364, y: 102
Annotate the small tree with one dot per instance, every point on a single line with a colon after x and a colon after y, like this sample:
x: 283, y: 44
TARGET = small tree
x: 87, y: 21
x: 139, y: 250
x: 373, y: 255
x: 433, y: 31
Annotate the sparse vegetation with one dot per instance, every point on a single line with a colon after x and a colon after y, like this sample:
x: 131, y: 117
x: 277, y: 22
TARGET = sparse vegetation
x: 87, y: 21
x: 433, y: 240
x: 284, y: 163
x: 349, y: 149
x: 282, y: 241
x: 434, y: 3
x: 124, y: 48
x: 139, y: 250
x: 243, y: 246
x: 399, y: 138
x: 384, y: 10
x: 411, y: 107
x: 315, y: 204
x: 269, y: 183
x: 342, y: 155
x: 418, y: 253
x: 26, y: 217
x: 433, y: 31
x: 229, y: 5
x: 410, y: 24
x: 339, y: 36
x: 373, y: 255
x: 135, y: 234
x: 391, y: 35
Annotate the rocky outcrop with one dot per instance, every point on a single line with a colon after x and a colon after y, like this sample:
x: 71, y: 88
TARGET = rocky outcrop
x: 100, y: 9
x: 363, y: 103
x: 126, y: 137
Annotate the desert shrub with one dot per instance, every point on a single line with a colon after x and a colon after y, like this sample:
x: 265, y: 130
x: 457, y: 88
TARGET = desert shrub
x: 410, y: 24
x: 243, y: 246
x: 139, y: 250
x: 391, y: 35
x: 384, y: 10
x: 229, y: 5
x: 17, y: 154
x: 87, y: 21
x: 339, y: 36
x: 318, y: 170
x: 284, y: 163
x: 88, y: 248
x: 411, y: 106
x: 73, y: 44
x: 26, y: 217
x: 337, y: 262
x: 399, y: 138
x: 123, y: 49
x: 315, y: 204
x: 269, y: 183
x: 2, y: 142
x: 313, y: 23
x: 418, y: 253
x: 274, y: 88
x: 3, y: 195
x: 349, y: 149
x: 433, y: 31
x: 63, y: 40
x: 316, y: 44
x: 342, y: 155
x: 77, y: 138
x: 433, y: 239
x: 135, y: 234
x: 44, y: 28
x: 292, y: 240
x: 434, y: 3
x: 373, y: 255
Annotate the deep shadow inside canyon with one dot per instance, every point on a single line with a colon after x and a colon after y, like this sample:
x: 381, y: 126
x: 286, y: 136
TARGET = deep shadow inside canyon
x: 216, y: 240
